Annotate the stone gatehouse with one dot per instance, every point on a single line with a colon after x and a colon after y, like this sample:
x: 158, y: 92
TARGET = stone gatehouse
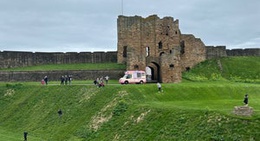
x: 157, y: 46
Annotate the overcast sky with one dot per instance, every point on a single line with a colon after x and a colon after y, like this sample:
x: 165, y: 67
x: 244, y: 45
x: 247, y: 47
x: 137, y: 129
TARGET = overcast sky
x: 91, y: 25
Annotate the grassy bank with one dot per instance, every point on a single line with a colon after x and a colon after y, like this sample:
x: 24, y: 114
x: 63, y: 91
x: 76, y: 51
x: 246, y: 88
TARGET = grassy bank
x: 184, y: 111
x: 198, y: 108
x: 238, y: 69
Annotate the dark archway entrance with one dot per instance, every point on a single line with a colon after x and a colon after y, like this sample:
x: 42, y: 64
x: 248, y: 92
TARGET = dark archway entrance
x: 154, y: 72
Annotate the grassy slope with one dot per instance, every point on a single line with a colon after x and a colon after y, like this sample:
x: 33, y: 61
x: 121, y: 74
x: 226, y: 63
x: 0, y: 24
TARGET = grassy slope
x: 239, y: 69
x: 184, y: 111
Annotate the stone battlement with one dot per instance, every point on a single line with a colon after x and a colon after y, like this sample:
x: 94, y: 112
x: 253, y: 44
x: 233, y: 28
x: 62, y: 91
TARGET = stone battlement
x: 12, y: 59
x: 221, y: 51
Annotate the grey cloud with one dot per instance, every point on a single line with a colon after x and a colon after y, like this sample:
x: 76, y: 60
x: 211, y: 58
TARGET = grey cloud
x: 86, y: 25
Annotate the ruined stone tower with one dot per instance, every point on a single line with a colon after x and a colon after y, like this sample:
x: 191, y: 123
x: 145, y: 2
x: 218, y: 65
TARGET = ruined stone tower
x: 157, y: 46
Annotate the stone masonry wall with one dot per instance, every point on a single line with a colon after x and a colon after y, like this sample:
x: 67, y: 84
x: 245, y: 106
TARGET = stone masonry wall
x: 143, y: 41
x: 11, y: 59
x: 158, y: 44
x: 216, y: 52
x: 244, y: 52
x: 194, y: 51
x: 221, y: 51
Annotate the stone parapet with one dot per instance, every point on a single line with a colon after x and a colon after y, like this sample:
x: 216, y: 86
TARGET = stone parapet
x: 214, y: 52
x: 243, y: 110
x: 12, y: 59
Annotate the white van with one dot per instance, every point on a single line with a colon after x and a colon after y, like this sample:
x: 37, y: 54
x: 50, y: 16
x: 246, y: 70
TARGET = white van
x: 137, y: 77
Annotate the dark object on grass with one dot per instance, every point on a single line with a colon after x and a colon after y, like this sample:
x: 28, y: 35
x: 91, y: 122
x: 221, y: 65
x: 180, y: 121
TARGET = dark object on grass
x: 25, y: 136
x: 60, y: 113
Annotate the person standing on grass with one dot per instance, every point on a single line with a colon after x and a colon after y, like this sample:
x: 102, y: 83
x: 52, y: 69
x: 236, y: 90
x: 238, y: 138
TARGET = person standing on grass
x: 70, y: 79
x: 25, y: 135
x: 95, y: 82
x: 106, y: 78
x: 159, y: 87
x: 246, y: 100
x: 62, y: 79
x: 66, y: 79
x: 46, y: 80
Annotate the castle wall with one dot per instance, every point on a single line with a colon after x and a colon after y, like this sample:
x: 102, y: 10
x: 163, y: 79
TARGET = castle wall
x: 129, y: 36
x: 194, y: 51
x: 22, y: 76
x: 171, y: 68
x: 137, y: 33
x: 244, y: 52
x: 221, y: 51
x: 12, y: 59
x: 216, y: 52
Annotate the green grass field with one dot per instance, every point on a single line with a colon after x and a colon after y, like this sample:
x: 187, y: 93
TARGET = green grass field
x: 195, y: 109
x: 238, y: 69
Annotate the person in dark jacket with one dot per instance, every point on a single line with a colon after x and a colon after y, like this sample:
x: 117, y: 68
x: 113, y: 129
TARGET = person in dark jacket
x: 25, y: 136
x: 246, y: 100
x: 45, y: 80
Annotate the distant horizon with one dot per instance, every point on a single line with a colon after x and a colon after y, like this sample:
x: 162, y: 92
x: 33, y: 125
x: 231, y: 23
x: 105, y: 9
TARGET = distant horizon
x: 108, y: 51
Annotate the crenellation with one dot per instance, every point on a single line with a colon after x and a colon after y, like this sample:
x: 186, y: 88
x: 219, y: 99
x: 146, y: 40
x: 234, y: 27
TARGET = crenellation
x: 12, y: 59
x: 221, y: 51
x: 216, y: 52
x: 244, y: 52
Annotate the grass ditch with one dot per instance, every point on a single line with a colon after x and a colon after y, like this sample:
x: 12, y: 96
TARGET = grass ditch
x: 186, y: 111
x: 198, y: 108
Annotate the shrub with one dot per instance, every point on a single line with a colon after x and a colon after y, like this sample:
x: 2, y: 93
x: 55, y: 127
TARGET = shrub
x: 120, y: 108
x: 13, y: 86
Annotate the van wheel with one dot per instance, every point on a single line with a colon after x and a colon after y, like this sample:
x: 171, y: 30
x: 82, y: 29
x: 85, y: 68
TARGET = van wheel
x: 141, y: 82
x: 126, y: 82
